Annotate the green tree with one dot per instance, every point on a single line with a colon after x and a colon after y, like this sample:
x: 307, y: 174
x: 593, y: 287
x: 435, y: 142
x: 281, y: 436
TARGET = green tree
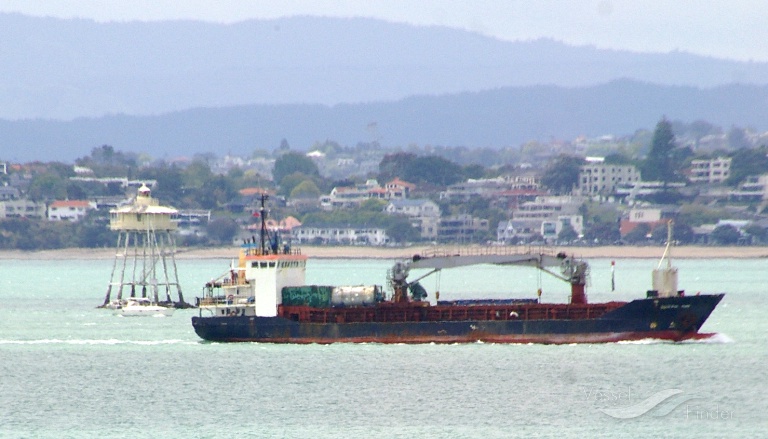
x: 305, y: 189
x: 372, y: 205
x: 725, y: 234
x: 169, y: 189
x: 215, y: 193
x: 746, y: 162
x: 665, y: 196
x: 105, y: 161
x: 474, y: 171
x: 601, y: 233
x: 696, y: 214
x: 395, y: 165
x: 93, y: 230
x: 701, y: 128
x: 737, y: 138
x: 222, y: 230
x: 681, y: 233
x: 47, y: 186
x: 75, y: 191
x: 639, y: 234
x: 617, y: 158
x: 289, y: 182
x: 759, y: 234
x: 659, y: 164
x: 196, y: 174
x: 401, y: 231
x: 433, y: 170
x: 291, y: 163
x: 567, y: 234
x: 562, y: 173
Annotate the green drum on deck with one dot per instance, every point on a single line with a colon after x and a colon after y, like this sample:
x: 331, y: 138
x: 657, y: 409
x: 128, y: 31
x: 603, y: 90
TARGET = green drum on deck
x: 316, y: 296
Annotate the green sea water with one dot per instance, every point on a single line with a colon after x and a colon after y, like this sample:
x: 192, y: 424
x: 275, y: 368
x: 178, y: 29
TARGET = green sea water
x: 69, y: 370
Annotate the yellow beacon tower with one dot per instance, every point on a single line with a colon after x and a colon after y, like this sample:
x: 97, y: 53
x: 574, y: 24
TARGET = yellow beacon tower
x: 145, y: 255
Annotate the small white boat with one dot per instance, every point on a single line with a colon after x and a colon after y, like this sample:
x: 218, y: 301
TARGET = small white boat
x: 141, y: 306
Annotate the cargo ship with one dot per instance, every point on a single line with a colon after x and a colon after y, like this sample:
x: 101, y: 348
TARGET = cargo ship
x: 264, y: 298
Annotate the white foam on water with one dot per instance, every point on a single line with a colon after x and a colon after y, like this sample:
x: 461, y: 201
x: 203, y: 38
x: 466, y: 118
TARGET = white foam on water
x: 717, y: 338
x: 96, y: 342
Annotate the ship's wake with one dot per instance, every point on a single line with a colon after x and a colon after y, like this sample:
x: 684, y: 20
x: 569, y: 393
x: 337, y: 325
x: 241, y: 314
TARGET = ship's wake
x: 707, y: 338
x: 111, y: 341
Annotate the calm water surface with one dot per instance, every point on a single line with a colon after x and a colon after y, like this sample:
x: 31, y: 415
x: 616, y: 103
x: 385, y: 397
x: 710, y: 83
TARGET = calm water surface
x: 68, y: 369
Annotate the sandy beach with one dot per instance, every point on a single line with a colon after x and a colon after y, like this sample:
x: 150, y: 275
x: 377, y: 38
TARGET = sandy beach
x: 338, y: 252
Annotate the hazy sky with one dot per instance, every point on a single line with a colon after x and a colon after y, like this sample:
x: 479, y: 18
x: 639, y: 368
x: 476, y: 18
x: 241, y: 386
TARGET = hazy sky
x: 735, y: 29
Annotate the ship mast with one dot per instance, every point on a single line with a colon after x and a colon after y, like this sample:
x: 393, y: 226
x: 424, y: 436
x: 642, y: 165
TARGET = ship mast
x: 668, y: 248
x: 263, y: 231
x: 268, y: 242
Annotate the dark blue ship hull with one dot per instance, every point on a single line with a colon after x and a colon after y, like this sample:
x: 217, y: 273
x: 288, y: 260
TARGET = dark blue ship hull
x: 670, y: 318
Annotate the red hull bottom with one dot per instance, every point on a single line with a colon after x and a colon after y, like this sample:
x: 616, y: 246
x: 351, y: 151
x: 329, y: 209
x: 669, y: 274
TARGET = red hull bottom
x: 674, y: 336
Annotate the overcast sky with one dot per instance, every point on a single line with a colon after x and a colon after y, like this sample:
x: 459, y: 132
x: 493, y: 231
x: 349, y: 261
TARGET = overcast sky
x: 734, y: 29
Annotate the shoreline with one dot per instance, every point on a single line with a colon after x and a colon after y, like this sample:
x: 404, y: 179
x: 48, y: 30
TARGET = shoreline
x: 357, y: 252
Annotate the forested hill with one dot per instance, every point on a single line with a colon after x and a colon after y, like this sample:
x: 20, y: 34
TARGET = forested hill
x: 63, y: 69
x: 501, y: 117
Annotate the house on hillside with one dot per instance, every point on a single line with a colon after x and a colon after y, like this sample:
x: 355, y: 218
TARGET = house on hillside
x: 753, y: 189
x: 192, y: 222
x: 517, y: 231
x: 603, y: 179
x: 398, y: 189
x: 461, y: 229
x: 491, y: 188
x: 352, y: 196
x: 548, y: 208
x: 424, y: 215
x: 631, y: 191
x: 69, y: 210
x: 284, y: 226
x: 653, y: 216
x: 710, y: 171
x: 22, y: 208
x: 550, y: 229
x: 340, y: 235
x: 9, y: 193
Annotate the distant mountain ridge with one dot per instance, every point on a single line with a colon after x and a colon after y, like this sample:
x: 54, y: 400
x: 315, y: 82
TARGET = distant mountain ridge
x: 495, y: 118
x: 63, y: 69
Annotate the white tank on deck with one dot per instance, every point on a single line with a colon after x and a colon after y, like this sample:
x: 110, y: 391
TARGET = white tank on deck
x: 665, y: 281
x: 354, y: 295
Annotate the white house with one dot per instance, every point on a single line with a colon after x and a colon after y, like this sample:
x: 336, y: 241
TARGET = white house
x: 352, y: 196
x: 550, y: 229
x: 710, y: 170
x: 69, y: 210
x: 424, y: 214
x: 603, y: 179
x: 22, y: 209
x: 339, y: 235
x: 514, y: 231
x: 548, y: 208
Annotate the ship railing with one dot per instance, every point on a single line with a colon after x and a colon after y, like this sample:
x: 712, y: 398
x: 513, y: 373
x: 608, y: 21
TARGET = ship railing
x: 225, y: 301
x: 227, y: 279
x: 489, y: 250
x: 250, y: 250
